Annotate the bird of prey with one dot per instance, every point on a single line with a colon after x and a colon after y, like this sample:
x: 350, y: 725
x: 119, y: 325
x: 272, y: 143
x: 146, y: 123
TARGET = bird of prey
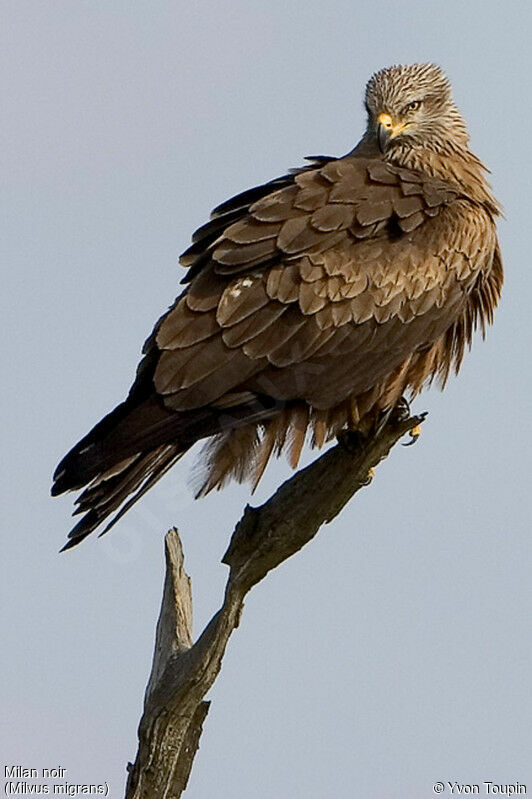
x: 311, y: 304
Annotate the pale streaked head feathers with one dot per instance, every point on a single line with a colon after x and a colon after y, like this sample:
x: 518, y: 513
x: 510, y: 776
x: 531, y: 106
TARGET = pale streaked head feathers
x: 418, y: 99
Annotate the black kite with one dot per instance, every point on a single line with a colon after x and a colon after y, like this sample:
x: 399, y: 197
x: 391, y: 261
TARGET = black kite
x: 312, y: 303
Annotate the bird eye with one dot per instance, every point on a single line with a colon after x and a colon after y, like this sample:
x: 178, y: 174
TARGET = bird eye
x: 414, y: 105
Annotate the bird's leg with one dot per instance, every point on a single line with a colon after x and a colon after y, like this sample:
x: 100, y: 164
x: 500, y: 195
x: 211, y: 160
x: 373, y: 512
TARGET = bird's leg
x: 352, y: 437
x: 356, y: 434
x: 401, y: 411
x: 397, y: 413
x: 353, y: 415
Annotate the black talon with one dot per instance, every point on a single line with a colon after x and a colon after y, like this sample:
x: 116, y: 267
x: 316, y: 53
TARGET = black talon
x: 415, y: 432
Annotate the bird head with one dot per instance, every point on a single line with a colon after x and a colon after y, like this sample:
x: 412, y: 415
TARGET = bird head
x: 411, y: 106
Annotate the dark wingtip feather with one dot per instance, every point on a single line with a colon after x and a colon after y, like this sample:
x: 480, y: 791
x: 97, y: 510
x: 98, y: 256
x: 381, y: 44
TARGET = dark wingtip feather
x: 82, y: 529
x: 84, y: 461
x: 137, y: 477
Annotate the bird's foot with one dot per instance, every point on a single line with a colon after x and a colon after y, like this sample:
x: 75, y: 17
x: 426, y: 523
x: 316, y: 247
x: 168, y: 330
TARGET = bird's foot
x: 370, y: 476
x: 414, y: 435
x: 415, y: 432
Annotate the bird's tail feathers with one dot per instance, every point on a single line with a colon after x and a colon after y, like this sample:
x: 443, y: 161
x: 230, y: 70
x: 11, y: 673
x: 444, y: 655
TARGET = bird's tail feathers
x: 123, y: 434
x: 109, y: 492
x: 126, y: 453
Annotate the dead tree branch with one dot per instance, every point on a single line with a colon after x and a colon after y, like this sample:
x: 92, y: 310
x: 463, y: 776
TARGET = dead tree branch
x: 183, y: 672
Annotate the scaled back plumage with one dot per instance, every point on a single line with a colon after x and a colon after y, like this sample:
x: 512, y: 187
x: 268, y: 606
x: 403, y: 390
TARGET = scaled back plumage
x: 312, y: 303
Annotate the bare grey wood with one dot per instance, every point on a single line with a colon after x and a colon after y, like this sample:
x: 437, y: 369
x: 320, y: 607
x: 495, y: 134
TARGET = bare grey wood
x: 183, y: 672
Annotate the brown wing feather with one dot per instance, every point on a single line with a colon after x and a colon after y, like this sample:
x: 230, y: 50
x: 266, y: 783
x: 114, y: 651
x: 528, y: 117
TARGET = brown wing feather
x: 328, y: 292
x: 329, y: 274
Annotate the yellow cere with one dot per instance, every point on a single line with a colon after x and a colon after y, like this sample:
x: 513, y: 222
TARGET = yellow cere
x: 387, y: 122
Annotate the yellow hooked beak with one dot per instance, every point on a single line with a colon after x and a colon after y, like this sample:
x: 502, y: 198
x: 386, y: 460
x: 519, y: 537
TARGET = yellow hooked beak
x: 388, y: 129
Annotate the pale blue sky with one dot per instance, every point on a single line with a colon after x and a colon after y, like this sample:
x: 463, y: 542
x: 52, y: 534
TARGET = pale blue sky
x: 394, y: 650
